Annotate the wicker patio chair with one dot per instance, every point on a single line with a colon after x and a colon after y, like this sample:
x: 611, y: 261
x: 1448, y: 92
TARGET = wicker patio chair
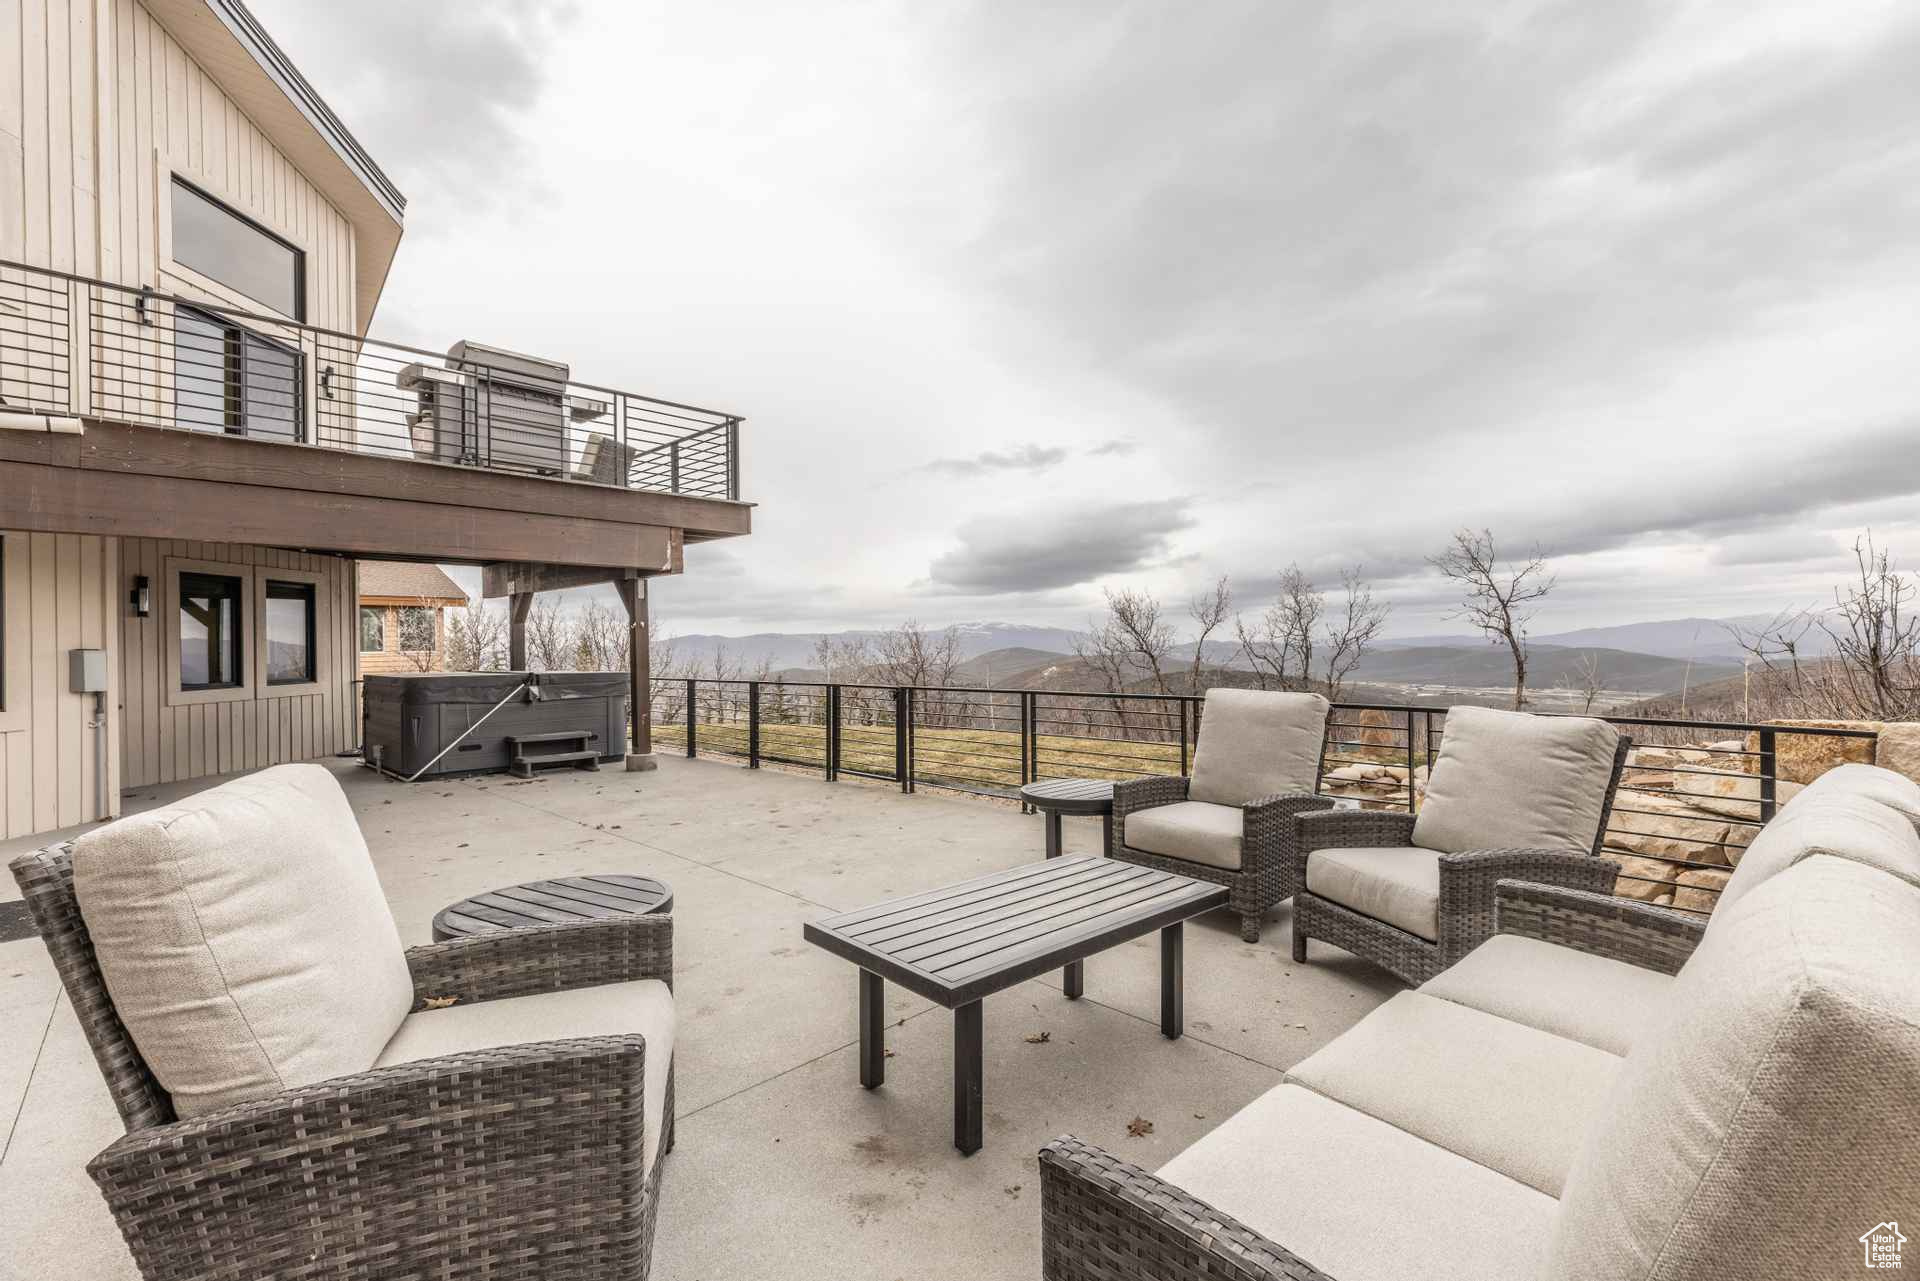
x: 515, y: 1163
x: 1511, y: 796
x: 1255, y: 769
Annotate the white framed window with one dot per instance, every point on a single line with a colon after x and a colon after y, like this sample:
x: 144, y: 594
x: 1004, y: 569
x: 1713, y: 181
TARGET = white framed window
x: 373, y: 629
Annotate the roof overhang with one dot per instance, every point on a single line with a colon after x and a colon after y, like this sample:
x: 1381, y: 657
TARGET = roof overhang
x: 232, y: 47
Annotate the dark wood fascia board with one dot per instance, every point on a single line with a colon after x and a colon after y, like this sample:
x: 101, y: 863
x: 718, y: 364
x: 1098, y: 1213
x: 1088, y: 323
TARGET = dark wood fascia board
x: 71, y: 500
x: 126, y: 448
x: 450, y: 602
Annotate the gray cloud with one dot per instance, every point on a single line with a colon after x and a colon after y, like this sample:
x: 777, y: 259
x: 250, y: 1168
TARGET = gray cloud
x: 1030, y: 458
x: 435, y: 89
x: 1113, y: 449
x: 1021, y: 553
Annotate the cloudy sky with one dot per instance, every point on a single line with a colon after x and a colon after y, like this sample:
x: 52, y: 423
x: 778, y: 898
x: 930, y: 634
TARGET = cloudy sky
x: 1023, y: 300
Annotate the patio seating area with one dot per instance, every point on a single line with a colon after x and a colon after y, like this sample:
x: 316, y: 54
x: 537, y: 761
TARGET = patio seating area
x: 782, y: 1165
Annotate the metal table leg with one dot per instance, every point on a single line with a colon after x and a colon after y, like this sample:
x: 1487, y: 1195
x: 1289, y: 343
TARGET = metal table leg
x: 1053, y: 833
x: 1106, y: 833
x: 1173, y: 1012
x: 1073, y: 979
x: 873, y: 1030
x: 967, y: 1085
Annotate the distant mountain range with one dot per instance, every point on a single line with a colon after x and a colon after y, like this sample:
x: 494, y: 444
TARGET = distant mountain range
x: 1645, y: 658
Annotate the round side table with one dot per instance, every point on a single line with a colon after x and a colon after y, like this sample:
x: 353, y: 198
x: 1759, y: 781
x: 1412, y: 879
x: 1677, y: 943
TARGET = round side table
x: 1079, y: 797
x: 557, y: 902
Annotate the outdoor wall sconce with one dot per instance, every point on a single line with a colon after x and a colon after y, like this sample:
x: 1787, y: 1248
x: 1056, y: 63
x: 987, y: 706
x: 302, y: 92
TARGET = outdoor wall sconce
x: 141, y: 597
x: 326, y: 382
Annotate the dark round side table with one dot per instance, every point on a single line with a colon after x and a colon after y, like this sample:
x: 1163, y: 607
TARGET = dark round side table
x: 557, y: 902
x: 1079, y: 797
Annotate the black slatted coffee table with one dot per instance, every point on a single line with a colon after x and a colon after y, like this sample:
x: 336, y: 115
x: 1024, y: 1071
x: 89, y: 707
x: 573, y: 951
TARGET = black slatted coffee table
x: 1061, y: 797
x: 555, y: 902
x: 956, y: 945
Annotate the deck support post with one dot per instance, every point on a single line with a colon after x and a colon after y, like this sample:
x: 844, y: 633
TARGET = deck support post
x: 520, y: 604
x: 633, y: 595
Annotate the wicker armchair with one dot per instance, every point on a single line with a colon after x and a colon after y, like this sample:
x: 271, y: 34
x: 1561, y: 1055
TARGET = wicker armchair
x: 517, y: 1163
x: 1462, y: 910
x: 1254, y: 772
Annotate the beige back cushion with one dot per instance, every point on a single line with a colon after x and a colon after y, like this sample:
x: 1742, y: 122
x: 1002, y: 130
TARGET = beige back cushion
x: 1895, y: 791
x: 244, y: 938
x: 1767, y: 1121
x: 1510, y: 780
x: 1254, y: 743
x: 1848, y: 826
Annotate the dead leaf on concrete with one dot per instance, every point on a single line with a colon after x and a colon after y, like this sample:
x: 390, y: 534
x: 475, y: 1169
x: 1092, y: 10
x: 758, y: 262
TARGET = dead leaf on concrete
x: 438, y: 1002
x: 1139, y: 1127
x: 1039, y: 1038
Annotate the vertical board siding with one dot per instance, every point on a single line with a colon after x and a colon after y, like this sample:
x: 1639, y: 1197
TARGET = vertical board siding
x: 167, y: 744
x: 90, y: 91
x: 64, y: 586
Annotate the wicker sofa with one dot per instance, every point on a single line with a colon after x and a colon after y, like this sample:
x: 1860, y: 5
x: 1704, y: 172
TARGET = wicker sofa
x: 305, y: 1098
x: 1511, y: 796
x: 1604, y: 1090
x: 1256, y: 768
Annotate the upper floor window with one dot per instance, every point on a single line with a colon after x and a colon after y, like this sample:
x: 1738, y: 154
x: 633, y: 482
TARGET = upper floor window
x: 238, y: 252
x: 229, y: 379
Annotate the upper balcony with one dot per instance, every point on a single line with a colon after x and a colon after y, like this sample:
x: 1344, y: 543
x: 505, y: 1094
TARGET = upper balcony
x: 73, y: 346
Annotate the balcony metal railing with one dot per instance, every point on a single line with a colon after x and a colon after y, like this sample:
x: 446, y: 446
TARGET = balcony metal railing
x: 1688, y: 805
x: 73, y: 345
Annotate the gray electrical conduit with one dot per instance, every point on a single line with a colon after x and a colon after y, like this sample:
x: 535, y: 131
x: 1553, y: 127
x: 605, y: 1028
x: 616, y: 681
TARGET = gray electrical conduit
x: 463, y: 737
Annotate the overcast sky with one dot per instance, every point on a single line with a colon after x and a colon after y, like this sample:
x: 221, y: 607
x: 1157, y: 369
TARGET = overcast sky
x: 1023, y: 300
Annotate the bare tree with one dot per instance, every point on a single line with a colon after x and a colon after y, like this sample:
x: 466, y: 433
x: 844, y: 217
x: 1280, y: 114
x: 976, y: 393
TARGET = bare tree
x: 1585, y: 681
x: 1278, y: 646
x: 843, y: 659
x: 550, y: 637
x: 911, y: 655
x: 1869, y: 665
x: 476, y: 638
x: 1208, y: 612
x: 601, y: 638
x: 420, y: 634
x: 1498, y: 595
x: 1350, y: 633
x: 1133, y: 616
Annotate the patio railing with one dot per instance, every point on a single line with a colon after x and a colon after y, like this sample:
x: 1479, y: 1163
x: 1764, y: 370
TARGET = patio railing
x: 73, y: 345
x: 1689, y: 803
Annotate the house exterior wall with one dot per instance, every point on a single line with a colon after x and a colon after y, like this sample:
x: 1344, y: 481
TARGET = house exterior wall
x: 390, y: 659
x: 168, y: 736
x: 99, y: 107
x: 57, y: 592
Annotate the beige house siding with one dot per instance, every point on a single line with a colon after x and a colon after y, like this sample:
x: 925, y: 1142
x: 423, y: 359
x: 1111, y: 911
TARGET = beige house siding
x: 98, y: 108
x: 169, y: 737
x: 57, y: 592
x: 389, y: 658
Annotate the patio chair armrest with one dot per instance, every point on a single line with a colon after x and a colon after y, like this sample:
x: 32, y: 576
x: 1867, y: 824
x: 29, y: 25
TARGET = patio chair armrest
x: 1467, y: 879
x: 1268, y: 831
x: 1145, y: 794
x: 415, y: 1169
x: 542, y: 958
x: 1653, y: 938
x: 1102, y: 1219
x: 1349, y: 829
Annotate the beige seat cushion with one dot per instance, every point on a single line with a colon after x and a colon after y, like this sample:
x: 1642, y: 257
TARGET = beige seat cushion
x: 1361, y: 1200
x: 1595, y: 1000
x: 1192, y: 830
x: 1895, y: 791
x: 610, y: 1009
x: 1769, y: 1121
x: 1510, y: 780
x: 244, y: 938
x: 1499, y: 1093
x: 1254, y: 743
x: 1844, y: 825
x: 1396, y: 884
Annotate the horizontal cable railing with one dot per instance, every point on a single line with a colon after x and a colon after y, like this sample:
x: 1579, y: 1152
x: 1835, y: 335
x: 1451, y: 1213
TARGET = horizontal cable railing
x: 71, y: 345
x: 1692, y: 796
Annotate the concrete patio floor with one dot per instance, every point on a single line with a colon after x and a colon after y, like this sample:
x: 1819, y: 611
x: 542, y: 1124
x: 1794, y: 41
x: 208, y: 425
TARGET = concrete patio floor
x: 784, y: 1167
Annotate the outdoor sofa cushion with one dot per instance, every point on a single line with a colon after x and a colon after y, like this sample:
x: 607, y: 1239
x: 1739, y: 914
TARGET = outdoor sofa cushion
x: 1501, y: 1094
x: 244, y: 938
x: 1396, y: 884
x: 1595, y: 1000
x: 1511, y: 780
x: 1361, y: 1200
x: 1893, y: 790
x: 1256, y: 743
x: 1769, y: 1120
x: 610, y: 1009
x: 1815, y: 823
x: 1192, y: 830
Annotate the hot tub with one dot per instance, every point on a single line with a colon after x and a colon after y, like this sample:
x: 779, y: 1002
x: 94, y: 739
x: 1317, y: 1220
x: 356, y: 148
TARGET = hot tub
x: 410, y: 719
